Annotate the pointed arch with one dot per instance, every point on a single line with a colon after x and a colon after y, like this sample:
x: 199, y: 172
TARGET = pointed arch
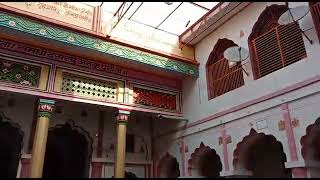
x: 267, y: 20
x: 262, y: 154
x: 206, y: 161
x: 310, y: 142
x: 220, y: 77
x: 11, y: 144
x: 218, y: 49
x: 270, y: 44
x: 69, y: 150
x: 168, y: 167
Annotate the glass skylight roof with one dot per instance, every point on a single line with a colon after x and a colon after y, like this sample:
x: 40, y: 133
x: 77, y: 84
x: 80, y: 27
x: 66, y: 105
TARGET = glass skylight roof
x: 170, y: 17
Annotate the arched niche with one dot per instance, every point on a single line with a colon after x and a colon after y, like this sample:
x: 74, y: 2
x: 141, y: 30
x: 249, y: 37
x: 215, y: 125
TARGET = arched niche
x: 11, y: 143
x: 68, y: 152
x: 220, y: 77
x: 267, y: 20
x: 168, y: 167
x: 310, y: 142
x: 204, y: 162
x: 262, y: 155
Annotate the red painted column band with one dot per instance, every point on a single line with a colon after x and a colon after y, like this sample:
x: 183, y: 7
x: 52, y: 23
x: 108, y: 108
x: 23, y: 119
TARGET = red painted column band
x: 96, y: 171
x: 25, y: 167
x: 299, y: 172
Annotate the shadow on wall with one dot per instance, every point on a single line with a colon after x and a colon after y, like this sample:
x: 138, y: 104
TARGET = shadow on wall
x: 204, y: 162
x: 11, y: 143
x: 262, y: 155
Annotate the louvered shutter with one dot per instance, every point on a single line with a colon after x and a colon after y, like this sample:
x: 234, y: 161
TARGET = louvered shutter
x: 223, y: 79
x: 279, y: 47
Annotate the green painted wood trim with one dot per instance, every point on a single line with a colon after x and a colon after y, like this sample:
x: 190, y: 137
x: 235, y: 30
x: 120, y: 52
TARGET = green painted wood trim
x: 71, y: 38
x: 46, y: 101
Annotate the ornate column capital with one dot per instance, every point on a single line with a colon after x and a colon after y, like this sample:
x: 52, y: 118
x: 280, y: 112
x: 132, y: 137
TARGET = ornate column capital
x: 122, y: 116
x: 45, y: 107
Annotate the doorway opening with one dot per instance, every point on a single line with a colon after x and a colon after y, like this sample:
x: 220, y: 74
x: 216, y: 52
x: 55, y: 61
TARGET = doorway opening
x: 68, y: 152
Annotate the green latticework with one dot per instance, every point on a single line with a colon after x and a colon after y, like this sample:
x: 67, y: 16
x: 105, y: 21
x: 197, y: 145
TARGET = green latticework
x: 88, y: 87
x: 68, y: 37
x: 19, y: 73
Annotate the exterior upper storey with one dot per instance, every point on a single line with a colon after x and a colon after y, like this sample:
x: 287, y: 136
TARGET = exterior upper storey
x: 286, y: 68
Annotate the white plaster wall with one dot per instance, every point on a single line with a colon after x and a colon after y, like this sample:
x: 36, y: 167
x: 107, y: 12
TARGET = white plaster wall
x: 303, y: 102
x: 306, y: 110
x: 195, y: 96
x: 21, y: 113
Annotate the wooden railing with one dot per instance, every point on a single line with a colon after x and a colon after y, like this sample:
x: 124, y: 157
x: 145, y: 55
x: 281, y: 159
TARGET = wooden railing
x: 223, y: 79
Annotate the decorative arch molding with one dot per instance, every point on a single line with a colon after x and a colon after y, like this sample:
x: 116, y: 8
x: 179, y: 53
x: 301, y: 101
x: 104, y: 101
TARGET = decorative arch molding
x: 71, y: 125
x: 221, y: 78
x: 310, y: 142
x: 242, y: 154
x: 70, y: 132
x: 171, y: 164
x: 201, y: 153
x: 267, y: 20
x: 243, y: 146
x: 7, y: 123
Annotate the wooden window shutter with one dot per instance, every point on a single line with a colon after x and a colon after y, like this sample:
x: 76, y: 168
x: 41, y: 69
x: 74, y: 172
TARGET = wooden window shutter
x: 315, y: 12
x: 223, y: 79
x: 277, y: 48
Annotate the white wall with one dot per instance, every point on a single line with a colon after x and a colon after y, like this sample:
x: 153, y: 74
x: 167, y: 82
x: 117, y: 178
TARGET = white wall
x: 197, y: 106
x: 303, y: 102
x: 21, y: 113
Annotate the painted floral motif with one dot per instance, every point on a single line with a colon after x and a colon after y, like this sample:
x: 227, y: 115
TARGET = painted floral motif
x: 18, y: 76
x: 12, y: 23
x: 42, y: 31
x: 24, y: 82
x: 19, y: 73
x: 5, y: 70
x: 71, y: 39
x: 32, y: 73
